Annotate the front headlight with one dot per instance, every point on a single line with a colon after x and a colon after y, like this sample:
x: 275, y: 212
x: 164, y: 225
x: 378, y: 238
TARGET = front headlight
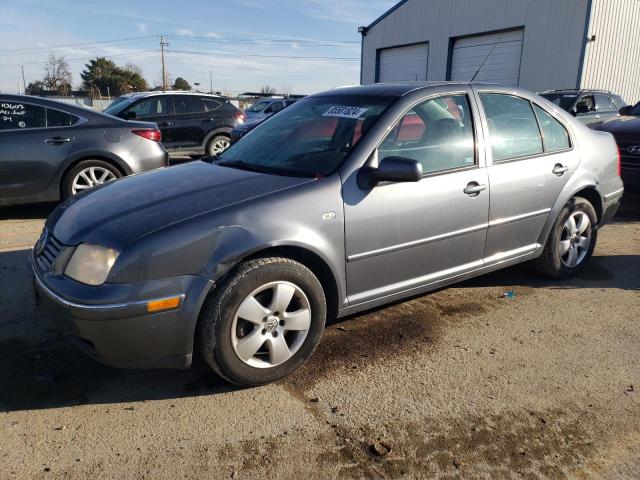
x: 91, y: 264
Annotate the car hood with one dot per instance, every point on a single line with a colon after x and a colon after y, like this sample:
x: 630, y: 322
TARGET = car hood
x: 118, y: 213
x: 622, y: 125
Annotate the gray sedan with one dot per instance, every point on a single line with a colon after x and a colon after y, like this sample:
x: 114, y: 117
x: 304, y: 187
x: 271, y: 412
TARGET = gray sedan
x: 51, y: 150
x: 347, y: 200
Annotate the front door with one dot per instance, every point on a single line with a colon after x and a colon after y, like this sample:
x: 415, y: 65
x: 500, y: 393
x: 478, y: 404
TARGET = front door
x: 30, y: 153
x: 532, y: 158
x: 402, y: 236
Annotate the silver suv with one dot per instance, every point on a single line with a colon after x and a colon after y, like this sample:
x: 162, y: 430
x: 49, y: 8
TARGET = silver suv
x: 346, y: 200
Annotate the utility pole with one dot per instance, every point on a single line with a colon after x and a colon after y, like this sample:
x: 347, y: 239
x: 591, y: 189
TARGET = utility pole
x: 24, y: 83
x: 210, y: 82
x: 164, y: 75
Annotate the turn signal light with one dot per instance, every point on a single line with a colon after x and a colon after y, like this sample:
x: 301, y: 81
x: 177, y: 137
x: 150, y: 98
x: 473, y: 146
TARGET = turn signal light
x: 163, y: 304
x: 149, y: 133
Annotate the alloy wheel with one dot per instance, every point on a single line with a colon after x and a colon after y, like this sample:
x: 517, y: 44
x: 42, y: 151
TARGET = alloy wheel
x: 271, y: 324
x: 90, y: 177
x: 575, y: 239
x: 219, y: 146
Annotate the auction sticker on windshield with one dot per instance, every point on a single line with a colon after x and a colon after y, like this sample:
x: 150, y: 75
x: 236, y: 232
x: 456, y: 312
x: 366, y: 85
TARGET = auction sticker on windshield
x: 344, y: 112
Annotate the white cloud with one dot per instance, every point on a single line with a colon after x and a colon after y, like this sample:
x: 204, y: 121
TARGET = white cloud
x: 142, y: 27
x: 213, y: 35
x: 185, y: 31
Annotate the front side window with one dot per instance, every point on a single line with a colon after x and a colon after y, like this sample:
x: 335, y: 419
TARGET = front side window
x: 187, y: 104
x: 437, y: 133
x: 310, y: 138
x: 58, y: 118
x: 513, y: 129
x: 555, y: 137
x: 150, y: 107
x: 586, y: 105
x: 17, y: 115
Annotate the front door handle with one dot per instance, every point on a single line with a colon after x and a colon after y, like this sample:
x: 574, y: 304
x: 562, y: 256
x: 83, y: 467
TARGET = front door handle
x: 57, y: 140
x: 473, y: 189
x: 559, y: 169
x: 165, y: 124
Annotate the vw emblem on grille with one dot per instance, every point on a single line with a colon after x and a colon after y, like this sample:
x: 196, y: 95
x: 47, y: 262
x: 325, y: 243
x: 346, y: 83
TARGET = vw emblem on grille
x: 42, y: 242
x: 634, y: 150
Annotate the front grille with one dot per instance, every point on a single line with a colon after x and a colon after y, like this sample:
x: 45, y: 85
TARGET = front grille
x: 46, y: 251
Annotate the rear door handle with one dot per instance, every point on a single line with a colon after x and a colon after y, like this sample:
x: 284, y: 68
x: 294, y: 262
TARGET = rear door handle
x: 473, y: 189
x: 559, y: 169
x: 57, y: 140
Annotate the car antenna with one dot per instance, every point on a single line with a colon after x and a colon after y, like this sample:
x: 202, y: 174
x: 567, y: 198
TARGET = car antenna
x: 485, y: 60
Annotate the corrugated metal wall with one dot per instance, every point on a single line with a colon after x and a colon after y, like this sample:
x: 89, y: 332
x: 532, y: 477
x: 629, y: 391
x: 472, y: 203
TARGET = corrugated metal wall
x: 612, y: 61
x: 553, y: 35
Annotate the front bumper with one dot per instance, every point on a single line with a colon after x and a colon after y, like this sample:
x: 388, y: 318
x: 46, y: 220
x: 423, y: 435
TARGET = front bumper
x: 122, y: 333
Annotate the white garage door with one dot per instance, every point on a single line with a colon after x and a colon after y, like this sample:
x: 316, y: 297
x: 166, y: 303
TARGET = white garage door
x: 403, y: 64
x: 497, y: 55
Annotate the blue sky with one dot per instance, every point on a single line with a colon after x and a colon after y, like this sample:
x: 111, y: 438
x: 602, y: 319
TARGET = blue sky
x: 237, y: 40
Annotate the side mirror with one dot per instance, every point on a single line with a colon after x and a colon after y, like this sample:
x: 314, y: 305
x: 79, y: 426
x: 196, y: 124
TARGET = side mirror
x: 626, y: 110
x: 582, y: 108
x: 390, y: 169
x: 130, y: 115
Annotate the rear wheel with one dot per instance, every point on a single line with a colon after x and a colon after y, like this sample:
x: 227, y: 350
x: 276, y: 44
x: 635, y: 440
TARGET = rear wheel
x: 88, y: 174
x: 263, y: 321
x: 217, y: 145
x: 571, y: 242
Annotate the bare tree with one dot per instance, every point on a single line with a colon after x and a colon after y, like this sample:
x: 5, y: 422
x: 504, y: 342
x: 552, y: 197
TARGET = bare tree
x: 267, y: 90
x: 58, y: 75
x: 133, y: 68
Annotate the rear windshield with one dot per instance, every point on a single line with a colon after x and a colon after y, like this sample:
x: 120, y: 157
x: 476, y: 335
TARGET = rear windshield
x: 564, y: 100
x: 310, y: 138
x: 118, y: 105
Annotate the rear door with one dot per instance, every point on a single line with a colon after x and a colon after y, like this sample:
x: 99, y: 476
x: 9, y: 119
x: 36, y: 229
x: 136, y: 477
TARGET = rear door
x: 531, y: 160
x: 31, y: 153
x: 190, y: 121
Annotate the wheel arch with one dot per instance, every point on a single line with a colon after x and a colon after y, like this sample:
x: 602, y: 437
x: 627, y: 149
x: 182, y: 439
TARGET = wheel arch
x: 226, y: 131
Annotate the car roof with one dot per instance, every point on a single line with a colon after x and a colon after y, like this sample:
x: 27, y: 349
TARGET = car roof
x: 171, y: 92
x: 46, y: 102
x: 577, y: 91
x: 401, y: 89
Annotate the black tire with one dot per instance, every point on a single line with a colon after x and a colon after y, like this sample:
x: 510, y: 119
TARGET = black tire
x: 550, y: 262
x: 214, y: 334
x: 67, y: 181
x: 212, y: 142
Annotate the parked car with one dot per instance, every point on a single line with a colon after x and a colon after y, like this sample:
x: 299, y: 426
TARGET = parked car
x: 630, y: 110
x: 242, y: 129
x: 266, y: 107
x: 348, y: 200
x: 50, y: 150
x: 591, y: 107
x: 190, y: 122
x: 626, y: 131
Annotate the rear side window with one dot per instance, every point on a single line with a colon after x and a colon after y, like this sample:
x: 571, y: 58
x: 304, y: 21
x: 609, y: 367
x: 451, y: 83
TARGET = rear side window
x: 210, y: 105
x: 604, y: 103
x: 554, y: 136
x: 57, y: 118
x: 187, y: 104
x: 16, y: 115
x: 513, y: 129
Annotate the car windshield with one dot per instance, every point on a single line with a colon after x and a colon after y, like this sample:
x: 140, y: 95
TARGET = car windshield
x: 310, y: 138
x: 564, y: 100
x: 118, y: 104
x: 259, y: 106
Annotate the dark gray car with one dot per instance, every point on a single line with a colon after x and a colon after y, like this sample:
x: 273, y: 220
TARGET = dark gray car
x: 591, y: 107
x: 51, y: 150
x: 347, y: 200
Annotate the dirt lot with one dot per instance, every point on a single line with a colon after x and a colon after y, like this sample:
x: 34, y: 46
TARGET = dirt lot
x: 462, y: 383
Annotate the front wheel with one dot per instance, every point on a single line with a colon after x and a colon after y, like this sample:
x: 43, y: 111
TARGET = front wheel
x: 571, y: 242
x: 217, y: 145
x: 263, y: 321
x: 88, y: 174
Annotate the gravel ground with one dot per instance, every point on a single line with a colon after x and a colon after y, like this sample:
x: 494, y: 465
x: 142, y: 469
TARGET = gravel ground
x: 461, y: 383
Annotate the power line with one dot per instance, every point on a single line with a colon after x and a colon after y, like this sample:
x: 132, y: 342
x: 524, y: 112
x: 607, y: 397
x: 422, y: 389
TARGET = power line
x: 80, y: 59
x: 265, y: 42
x: 233, y: 54
x: 13, y: 51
